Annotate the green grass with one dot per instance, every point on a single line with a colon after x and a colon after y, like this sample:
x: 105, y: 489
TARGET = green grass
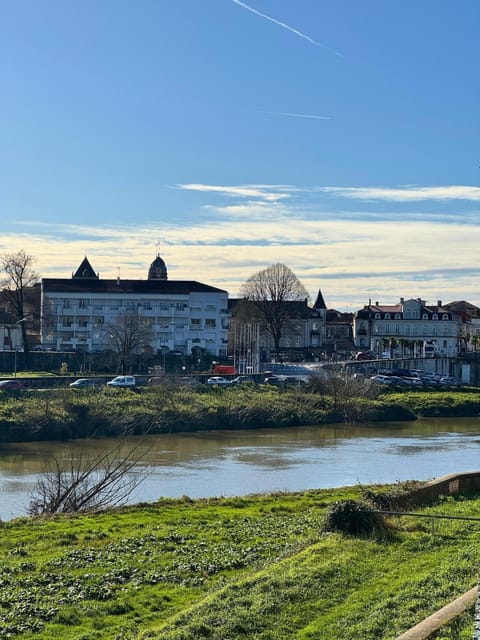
x: 58, y: 414
x: 257, y: 567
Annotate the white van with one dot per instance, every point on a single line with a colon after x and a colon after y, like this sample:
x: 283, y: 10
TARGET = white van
x: 122, y: 381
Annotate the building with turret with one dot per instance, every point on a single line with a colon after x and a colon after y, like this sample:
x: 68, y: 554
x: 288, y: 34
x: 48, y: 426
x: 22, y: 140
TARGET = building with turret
x: 85, y: 312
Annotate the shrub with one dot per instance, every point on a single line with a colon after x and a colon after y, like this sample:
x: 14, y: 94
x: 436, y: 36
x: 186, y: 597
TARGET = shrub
x: 355, y: 518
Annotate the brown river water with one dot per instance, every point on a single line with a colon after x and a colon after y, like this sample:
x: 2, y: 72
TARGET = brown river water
x: 227, y: 463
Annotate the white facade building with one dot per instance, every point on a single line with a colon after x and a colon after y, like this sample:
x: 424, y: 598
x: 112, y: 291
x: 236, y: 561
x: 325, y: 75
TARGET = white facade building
x: 77, y: 312
x: 405, y: 329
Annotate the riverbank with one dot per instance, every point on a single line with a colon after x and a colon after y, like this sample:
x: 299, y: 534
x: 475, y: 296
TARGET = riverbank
x: 255, y: 567
x: 64, y: 414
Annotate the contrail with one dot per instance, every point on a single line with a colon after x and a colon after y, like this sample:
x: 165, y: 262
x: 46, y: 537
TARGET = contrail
x: 286, y: 26
x: 296, y: 115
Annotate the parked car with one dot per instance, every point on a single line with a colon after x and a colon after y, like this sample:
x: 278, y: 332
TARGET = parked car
x: 243, y: 380
x: 381, y: 379
x: 11, y: 385
x: 414, y: 382
x: 218, y: 381
x: 448, y: 380
x: 122, y: 381
x: 276, y: 380
x: 83, y: 382
x: 364, y: 355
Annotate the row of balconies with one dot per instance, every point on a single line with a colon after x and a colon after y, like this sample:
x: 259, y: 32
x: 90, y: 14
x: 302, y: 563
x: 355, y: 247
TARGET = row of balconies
x: 93, y: 309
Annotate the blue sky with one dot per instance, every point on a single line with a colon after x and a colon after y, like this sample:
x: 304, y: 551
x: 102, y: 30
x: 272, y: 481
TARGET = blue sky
x: 339, y: 137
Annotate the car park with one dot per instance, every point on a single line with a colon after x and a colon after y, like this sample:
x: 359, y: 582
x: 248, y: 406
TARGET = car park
x: 11, y: 385
x: 83, y: 382
x: 218, y: 381
x: 122, y: 381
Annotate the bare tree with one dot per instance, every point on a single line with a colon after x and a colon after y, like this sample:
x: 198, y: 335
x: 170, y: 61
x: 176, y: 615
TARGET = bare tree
x: 128, y: 336
x: 79, y: 482
x: 271, y: 292
x: 19, y: 275
x: 346, y: 392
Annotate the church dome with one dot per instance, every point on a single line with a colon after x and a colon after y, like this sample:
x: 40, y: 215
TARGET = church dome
x: 158, y: 270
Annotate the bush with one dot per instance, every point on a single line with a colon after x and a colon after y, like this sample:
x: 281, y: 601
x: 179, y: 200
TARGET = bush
x: 356, y: 519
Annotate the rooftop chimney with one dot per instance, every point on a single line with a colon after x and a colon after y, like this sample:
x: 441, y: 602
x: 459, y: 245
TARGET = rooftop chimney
x: 439, y: 303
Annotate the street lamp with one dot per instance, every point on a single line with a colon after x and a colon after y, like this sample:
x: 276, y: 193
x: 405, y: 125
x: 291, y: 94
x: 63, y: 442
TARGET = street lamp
x: 16, y: 349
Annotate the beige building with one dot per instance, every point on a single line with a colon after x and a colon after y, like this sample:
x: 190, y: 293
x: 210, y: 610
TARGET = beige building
x: 409, y: 328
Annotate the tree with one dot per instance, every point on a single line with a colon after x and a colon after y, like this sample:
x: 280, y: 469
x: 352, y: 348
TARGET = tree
x: 128, y: 335
x: 19, y: 275
x: 271, y: 291
x: 346, y: 392
x: 78, y: 482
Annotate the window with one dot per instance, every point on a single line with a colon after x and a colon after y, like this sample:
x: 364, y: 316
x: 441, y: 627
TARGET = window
x: 425, y: 316
x: 435, y: 316
x: 66, y: 304
x: 397, y: 316
x: 387, y: 316
x: 445, y: 316
x: 210, y: 323
x: 195, y: 323
x: 377, y: 316
x: 83, y: 304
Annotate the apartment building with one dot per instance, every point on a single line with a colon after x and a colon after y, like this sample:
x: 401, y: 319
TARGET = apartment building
x: 79, y: 313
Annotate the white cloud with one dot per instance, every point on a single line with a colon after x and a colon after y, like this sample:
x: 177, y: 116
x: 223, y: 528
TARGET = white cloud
x: 350, y: 260
x: 407, y: 193
x: 270, y: 193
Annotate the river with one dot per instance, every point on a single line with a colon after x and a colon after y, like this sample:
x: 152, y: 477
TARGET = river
x: 226, y: 463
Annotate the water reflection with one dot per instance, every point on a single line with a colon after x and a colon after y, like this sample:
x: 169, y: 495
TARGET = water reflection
x: 240, y: 462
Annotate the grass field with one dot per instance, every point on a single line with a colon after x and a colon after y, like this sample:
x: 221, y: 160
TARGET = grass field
x: 259, y: 567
